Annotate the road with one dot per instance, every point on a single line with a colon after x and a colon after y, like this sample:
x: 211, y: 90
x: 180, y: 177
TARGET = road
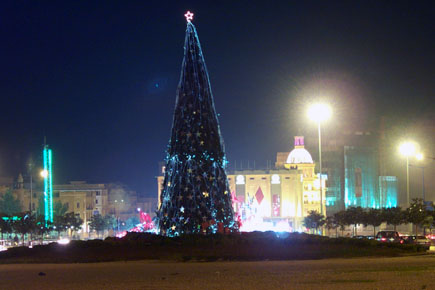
x: 417, y: 272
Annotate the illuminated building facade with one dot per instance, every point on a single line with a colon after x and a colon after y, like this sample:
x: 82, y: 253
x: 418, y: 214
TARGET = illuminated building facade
x: 353, y: 162
x: 283, y: 196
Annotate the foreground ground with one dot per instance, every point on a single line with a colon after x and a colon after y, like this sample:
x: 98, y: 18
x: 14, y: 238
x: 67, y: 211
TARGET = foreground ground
x: 414, y: 272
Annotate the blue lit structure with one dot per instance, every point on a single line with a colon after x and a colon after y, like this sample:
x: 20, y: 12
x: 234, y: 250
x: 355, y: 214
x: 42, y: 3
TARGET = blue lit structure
x: 361, y: 177
x: 388, y: 191
x: 48, y: 184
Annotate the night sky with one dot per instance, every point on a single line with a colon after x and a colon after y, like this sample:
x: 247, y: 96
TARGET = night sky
x: 98, y: 78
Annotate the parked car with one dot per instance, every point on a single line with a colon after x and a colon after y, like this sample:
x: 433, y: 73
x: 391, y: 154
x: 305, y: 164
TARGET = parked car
x: 389, y: 237
x: 418, y: 240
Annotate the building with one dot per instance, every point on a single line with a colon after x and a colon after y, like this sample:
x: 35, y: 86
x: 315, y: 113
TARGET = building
x: 354, y: 162
x: 279, y: 197
x: 82, y: 198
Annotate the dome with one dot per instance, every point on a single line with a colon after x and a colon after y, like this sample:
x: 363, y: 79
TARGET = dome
x: 299, y: 155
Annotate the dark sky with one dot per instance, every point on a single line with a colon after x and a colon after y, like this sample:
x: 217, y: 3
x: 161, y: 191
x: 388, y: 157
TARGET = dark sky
x: 98, y: 78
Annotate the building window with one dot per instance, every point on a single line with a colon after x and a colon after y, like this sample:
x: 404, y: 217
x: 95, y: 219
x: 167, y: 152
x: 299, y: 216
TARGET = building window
x: 78, y: 205
x: 67, y: 205
x: 98, y: 193
x: 96, y: 201
x: 56, y: 194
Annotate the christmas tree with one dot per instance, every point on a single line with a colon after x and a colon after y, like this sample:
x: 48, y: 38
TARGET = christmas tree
x: 195, y: 197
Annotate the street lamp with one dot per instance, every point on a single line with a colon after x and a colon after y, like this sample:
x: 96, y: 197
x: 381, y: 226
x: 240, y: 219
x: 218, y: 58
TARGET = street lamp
x: 420, y: 157
x: 407, y: 149
x: 44, y: 173
x: 320, y: 113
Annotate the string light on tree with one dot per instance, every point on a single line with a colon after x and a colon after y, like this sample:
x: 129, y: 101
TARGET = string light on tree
x: 194, y: 197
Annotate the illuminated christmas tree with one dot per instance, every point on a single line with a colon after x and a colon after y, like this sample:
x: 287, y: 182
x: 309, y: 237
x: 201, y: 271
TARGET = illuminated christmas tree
x: 195, y: 197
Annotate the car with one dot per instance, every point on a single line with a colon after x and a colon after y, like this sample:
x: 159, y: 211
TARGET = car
x: 418, y: 240
x: 389, y: 237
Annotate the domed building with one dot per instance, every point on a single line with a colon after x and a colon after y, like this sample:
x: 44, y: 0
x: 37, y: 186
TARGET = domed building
x: 277, y: 198
x: 285, y: 193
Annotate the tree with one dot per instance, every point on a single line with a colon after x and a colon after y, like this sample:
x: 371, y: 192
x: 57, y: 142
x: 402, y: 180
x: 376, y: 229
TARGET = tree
x: 42, y: 227
x: 354, y: 216
x: 60, y: 224
x: 9, y: 205
x: 393, y: 216
x: 60, y: 209
x: 341, y: 220
x: 110, y: 222
x: 417, y: 213
x: 24, y: 224
x: 314, y: 220
x: 5, y: 225
x: 73, y: 221
x: 195, y: 196
x: 97, y: 223
x: 373, y: 217
x: 332, y: 224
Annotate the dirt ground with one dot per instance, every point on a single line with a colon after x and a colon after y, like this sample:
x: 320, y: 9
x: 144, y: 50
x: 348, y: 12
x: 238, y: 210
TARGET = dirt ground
x: 417, y: 272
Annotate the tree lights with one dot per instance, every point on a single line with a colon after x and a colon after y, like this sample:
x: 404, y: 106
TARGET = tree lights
x: 194, y: 197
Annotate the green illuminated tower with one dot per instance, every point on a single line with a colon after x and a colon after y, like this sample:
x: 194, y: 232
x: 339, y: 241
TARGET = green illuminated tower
x: 48, y: 184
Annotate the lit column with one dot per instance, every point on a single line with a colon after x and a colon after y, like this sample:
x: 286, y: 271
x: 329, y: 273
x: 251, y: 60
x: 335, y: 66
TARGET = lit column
x: 407, y: 149
x: 48, y: 184
x: 320, y: 113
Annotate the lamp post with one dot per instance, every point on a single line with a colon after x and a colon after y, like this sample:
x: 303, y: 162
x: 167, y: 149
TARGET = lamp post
x: 320, y: 113
x: 420, y: 157
x: 407, y: 149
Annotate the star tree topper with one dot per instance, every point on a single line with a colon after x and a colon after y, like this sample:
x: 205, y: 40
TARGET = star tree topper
x: 189, y: 16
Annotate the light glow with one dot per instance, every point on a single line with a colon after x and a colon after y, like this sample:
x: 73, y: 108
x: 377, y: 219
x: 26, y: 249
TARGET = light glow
x: 44, y: 173
x: 64, y: 241
x: 319, y: 112
x: 407, y: 149
x: 419, y: 156
x: 189, y: 16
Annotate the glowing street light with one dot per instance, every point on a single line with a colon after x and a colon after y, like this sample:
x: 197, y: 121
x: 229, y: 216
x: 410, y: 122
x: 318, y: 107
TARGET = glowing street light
x: 320, y: 113
x: 44, y: 173
x: 407, y: 149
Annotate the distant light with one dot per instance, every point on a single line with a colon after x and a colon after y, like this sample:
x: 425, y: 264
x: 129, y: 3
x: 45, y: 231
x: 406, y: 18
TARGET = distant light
x: 44, y: 173
x: 138, y: 209
x: 63, y: 241
x: 407, y: 149
x: 189, y: 16
x: 419, y: 156
x: 319, y: 112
